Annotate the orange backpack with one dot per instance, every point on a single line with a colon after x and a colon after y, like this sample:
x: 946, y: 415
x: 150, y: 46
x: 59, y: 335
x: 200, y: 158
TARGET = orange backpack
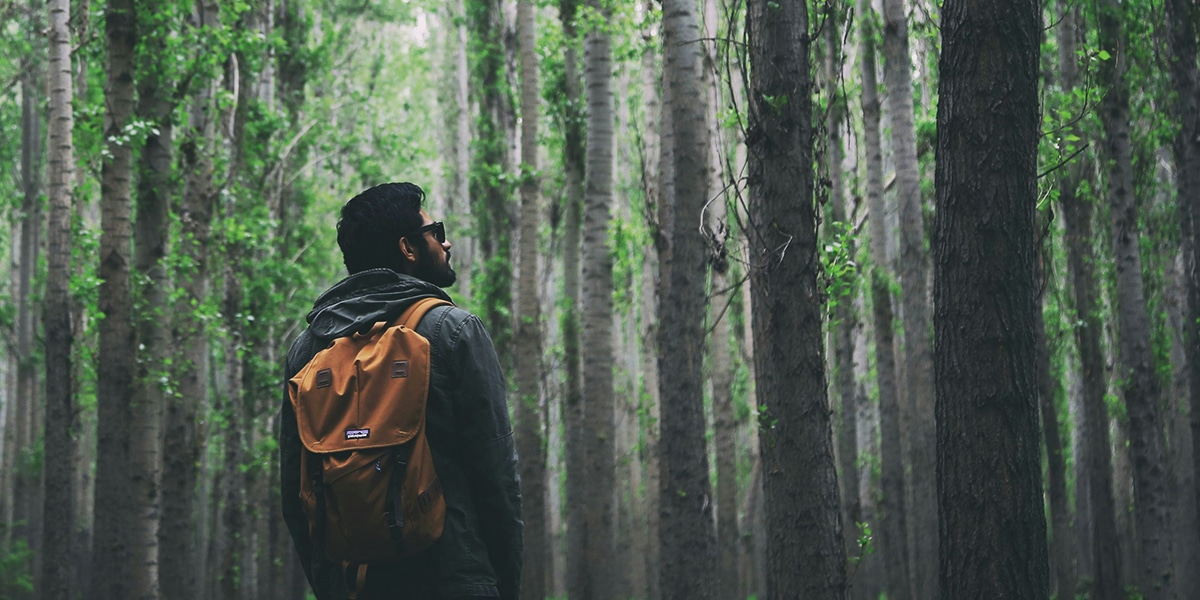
x: 367, y: 480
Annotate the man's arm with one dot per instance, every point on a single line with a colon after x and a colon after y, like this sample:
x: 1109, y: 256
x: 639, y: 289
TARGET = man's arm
x: 489, y: 455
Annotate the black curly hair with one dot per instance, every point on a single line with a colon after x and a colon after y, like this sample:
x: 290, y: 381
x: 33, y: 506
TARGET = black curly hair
x: 373, y: 222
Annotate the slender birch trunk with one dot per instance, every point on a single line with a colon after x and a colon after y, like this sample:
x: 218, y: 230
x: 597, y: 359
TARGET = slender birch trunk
x: 687, y: 544
x: 573, y: 407
x: 58, y: 442
x: 113, y: 553
x: 892, y: 522
x: 913, y: 271
x: 597, y: 324
x: 1152, y: 507
x: 528, y: 325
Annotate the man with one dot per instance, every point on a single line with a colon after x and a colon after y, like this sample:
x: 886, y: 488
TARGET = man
x: 396, y: 255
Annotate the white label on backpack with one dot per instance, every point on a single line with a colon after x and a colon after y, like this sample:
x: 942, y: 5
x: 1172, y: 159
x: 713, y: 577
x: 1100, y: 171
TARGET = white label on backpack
x: 358, y: 434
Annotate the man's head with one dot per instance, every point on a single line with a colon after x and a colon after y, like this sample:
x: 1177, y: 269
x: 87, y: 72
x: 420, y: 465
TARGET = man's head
x: 384, y: 227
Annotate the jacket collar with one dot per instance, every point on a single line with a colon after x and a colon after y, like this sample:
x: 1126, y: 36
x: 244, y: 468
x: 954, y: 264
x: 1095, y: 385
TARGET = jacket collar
x: 365, y: 298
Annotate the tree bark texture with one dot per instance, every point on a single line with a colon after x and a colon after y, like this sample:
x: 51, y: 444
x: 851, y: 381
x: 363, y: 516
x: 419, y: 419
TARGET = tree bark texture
x: 991, y: 516
x: 599, y: 442
x: 1152, y: 509
x: 22, y: 491
x: 687, y: 539
x: 573, y: 407
x: 652, y: 148
x: 913, y: 268
x: 154, y: 183
x: 1077, y: 217
x: 720, y: 356
x: 892, y: 522
x: 113, y: 549
x: 1102, y: 573
x: 1062, y: 542
x: 59, y: 445
x: 528, y: 357
x: 1182, y: 16
x: 1067, y: 563
x: 178, y: 538
x: 845, y: 321
x: 805, y: 555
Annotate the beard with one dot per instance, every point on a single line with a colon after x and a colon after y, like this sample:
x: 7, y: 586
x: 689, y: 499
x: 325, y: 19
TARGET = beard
x: 428, y: 269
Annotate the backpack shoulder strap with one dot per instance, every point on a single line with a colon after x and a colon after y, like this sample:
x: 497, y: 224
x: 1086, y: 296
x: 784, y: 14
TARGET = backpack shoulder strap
x: 413, y: 314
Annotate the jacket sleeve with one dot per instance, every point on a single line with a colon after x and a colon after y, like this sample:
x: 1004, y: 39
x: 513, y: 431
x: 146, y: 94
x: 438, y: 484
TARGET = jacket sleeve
x: 489, y: 454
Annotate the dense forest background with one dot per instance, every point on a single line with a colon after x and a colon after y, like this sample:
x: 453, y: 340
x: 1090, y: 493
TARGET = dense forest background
x: 813, y: 299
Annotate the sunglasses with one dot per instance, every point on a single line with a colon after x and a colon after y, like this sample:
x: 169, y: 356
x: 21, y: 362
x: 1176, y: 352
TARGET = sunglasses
x: 438, y: 228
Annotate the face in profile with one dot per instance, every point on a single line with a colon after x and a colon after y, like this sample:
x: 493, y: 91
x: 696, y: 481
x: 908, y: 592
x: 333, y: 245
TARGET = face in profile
x: 433, y: 255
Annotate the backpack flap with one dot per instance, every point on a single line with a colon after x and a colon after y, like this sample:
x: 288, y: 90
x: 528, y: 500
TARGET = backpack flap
x: 346, y: 397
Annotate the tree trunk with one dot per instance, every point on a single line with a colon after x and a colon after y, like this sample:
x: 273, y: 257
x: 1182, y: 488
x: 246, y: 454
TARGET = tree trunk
x: 913, y: 270
x: 529, y: 324
x: 573, y: 409
x: 846, y: 322
x: 179, y: 541
x: 22, y: 493
x: 597, y: 354
x: 651, y: 171
x: 799, y: 475
x: 892, y: 522
x: 1185, y: 79
x: 1094, y: 492
x: 1152, y: 508
x: 1077, y: 216
x: 59, y: 457
x: 720, y: 359
x: 113, y: 550
x: 154, y: 176
x: 234, y: 532
x: 686, y: 539
x: 992, y: 521
x: 1062, y: 547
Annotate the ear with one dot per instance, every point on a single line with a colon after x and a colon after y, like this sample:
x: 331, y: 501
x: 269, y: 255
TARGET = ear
x: 407, y: 250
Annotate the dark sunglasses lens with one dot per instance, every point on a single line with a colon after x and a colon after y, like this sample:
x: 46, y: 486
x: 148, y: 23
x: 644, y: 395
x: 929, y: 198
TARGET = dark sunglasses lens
x: 439, y: 232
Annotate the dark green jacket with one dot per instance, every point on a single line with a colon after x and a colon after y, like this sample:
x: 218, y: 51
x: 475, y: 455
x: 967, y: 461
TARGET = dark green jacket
x: 469, y: 434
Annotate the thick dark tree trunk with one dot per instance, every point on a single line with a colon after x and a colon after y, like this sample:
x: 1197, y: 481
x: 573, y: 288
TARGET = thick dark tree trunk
x: 991, y: 516
x: 1182, y: 16
x: 59, y: 457
x: 687, y: 539
x: 805, y: 555
x: 112, y: 569
x: 1152, y: 506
